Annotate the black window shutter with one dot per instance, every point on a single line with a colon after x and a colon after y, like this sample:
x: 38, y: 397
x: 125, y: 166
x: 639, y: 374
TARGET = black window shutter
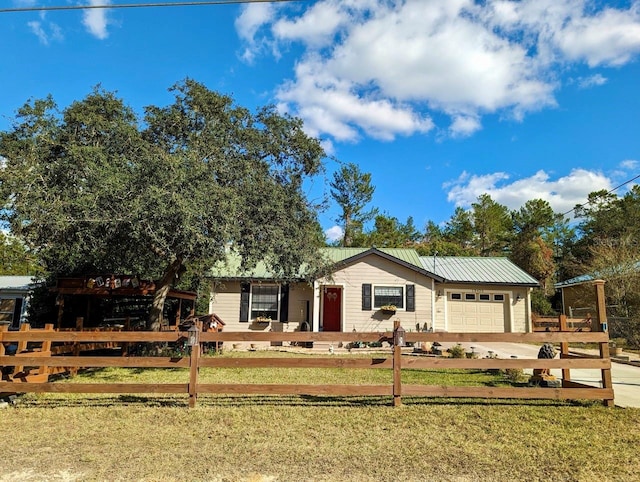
x: 411, y: 298
x: 366, y: 297
x: 284, y: 303
x: 245, y: 288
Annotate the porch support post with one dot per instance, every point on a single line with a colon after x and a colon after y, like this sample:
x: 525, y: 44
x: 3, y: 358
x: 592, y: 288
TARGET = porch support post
x: 315, y: 318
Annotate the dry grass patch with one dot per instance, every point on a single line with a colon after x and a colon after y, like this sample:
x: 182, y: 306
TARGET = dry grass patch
x: 306, y: 438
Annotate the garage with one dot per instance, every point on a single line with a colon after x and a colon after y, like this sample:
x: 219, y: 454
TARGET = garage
x: 470, y: 312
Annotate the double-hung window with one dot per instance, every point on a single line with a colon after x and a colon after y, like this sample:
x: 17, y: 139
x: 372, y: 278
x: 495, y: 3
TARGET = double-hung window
x: 8, y: 311
x: 264, y: 301
x: 388, y: 295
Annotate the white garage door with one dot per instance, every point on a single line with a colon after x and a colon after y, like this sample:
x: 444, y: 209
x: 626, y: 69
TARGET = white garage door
x: 477, y: 313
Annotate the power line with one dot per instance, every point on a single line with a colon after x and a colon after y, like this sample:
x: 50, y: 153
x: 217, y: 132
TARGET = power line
x: 608, y: 192
x: 139, y: 5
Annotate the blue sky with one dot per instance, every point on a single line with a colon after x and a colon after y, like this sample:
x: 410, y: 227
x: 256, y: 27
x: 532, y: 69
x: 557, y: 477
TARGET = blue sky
x: 440, y: 100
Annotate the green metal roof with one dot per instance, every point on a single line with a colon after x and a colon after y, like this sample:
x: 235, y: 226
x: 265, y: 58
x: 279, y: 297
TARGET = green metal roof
x: 338, y: 255
x: 448, y: 269
x: 607, y: 273
x: 476, y: 269
x: 575, y: 281
x: 231, y: 268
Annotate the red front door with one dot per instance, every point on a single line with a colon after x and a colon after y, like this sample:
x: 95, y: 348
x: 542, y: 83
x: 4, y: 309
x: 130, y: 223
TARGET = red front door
x: 331, y: 309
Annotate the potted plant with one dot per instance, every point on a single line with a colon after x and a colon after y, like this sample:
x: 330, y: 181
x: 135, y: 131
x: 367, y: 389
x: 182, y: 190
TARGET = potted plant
x: 614, y: 349
x: 388, y: 309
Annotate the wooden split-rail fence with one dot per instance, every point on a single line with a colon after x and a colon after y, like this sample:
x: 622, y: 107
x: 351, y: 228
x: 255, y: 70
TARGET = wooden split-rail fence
x: 563, y: 323
x: 33, y: 366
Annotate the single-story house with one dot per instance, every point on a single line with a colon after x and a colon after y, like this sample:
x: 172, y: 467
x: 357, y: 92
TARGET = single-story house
x: 14, y: 299
x: 455, y: 294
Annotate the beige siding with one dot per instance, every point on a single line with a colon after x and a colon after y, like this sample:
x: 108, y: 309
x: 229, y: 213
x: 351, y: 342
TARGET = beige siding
x: 299, y: 295
x: 225, y: 302
x: 379, y: 271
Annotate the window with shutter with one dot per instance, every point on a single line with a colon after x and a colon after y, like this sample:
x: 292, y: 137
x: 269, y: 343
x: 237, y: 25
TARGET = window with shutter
x: 388, y: 295
x: 264, y: 301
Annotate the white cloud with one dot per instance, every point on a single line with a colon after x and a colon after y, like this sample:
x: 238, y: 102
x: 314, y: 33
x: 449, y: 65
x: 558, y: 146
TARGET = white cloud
x: 384, y: 68
x: 464, y: 126
x: 593, y: 81
x: 95, y: 19
x: 629, y: 164
x: 316, y: 26
x: 334, y: 233
x: 610, y: 37
x: 562, y: 193
x: 253, y: 17
x: 333, y: 106
x: 44, y: 30
x: 38, y: 31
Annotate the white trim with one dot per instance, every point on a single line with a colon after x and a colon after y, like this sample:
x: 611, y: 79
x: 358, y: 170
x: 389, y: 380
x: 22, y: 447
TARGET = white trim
x: 527, y: 313
x: 404, y: 295
x: 511, y: 311
x: 434, y: 294
x: 445, y: 294
x: 317, y: 296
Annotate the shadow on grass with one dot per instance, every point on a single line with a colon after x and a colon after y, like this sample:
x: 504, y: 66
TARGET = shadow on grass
x: 55, y: 401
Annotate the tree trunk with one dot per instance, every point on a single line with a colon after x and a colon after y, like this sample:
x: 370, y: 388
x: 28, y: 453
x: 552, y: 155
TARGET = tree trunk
x: 162, y: 289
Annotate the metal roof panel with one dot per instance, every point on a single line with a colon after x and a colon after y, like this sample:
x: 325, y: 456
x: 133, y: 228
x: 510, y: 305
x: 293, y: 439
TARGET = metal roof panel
x: 477, y: 269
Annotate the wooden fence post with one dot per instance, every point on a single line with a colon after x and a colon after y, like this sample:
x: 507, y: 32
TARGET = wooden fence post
x: 46, y: 351
x: 599, y: 324
x: 564, y: 348
x: 194, y: 361
x: 600, y: 321
x: 22, y: 346
x: 397, y: 368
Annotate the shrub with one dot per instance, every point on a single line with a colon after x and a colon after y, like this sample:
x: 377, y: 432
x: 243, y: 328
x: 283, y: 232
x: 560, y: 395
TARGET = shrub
x: 540, y: 304
x: 457, y: 351
x: 514, y: 374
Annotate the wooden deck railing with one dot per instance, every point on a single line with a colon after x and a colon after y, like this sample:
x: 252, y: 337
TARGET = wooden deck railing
x: 395, y: 362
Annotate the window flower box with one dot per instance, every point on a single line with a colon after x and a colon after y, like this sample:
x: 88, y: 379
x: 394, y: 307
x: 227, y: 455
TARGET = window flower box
x: 388, y: 309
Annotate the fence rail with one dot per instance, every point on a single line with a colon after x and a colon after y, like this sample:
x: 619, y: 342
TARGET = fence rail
x: 44, y: 362
x: 547, y: 323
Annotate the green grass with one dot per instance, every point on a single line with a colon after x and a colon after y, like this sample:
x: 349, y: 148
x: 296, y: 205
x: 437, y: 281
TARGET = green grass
x: 291, y: 375
x: 294, y: 438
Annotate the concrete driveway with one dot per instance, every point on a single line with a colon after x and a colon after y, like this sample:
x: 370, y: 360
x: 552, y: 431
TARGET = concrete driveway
x: 626, y: 378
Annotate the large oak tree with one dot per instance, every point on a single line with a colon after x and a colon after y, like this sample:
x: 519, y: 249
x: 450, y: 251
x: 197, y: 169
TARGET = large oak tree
x: 96, y: 187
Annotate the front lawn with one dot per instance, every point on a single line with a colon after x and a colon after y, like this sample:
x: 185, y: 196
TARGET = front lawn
x: 294, y: 438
